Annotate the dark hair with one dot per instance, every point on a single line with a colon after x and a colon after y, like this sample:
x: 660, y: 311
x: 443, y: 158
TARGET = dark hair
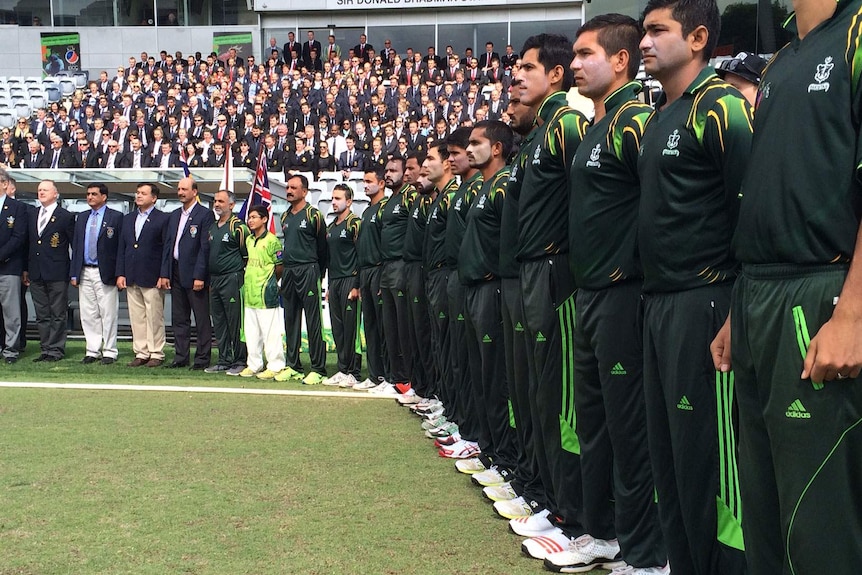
x: 154, y: 189
x: 302, y: 180
x: 414, y: 155
x: 378, y: 173
x: 397, y: 159
x: 615, y: 33
x: 103, y: 189
x: 440, y: 146
x: 348, y: 191
x: 691, y: 14
x: 260, y: 210
x: 553, y: 50
x: 497, y: 131
x: 460, y: 138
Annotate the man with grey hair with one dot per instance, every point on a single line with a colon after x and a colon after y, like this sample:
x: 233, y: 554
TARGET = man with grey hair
x: 51, y: 230
x: 13, y: 238
x: 227, y: 259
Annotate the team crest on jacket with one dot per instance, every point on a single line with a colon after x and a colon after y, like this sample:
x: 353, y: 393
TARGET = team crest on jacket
x: 672, y: 143
x: 55, y: 240
x: 10, y: 222
x: 193, y: 231
x: 594, y: 162
x: 303, y: 225
x: 109, y: 231
x: 343, y: 234
x: 821, y: 76
x: 225, y: 237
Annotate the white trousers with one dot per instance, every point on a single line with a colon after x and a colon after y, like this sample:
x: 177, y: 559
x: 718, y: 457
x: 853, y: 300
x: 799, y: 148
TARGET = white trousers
x: 99, y: 305
x: 264, y: 334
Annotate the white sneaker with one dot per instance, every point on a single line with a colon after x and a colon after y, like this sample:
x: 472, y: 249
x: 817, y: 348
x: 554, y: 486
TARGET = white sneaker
x: 348, y: 381
x: 493, y: 476
x: 385, y: 389
x: 434, y: 423
x: 461, y: 450
x: 410, y: 398
x: 426, y: 405
x: 532, y: 525
x: 335, y: 380
x: 365, y: 385
x: 514, y: 508
x: 503, y: 492
x: 629, y: 570
x: 470, y: 466
x: 542, y: 546
x: 585, y: 554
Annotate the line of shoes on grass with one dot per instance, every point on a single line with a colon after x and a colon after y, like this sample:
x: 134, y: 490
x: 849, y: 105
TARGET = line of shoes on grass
x: 544, y: 541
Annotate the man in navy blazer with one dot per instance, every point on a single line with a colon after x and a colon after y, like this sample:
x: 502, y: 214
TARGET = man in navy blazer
x: 94, y: 272
x: 139, y: 263
x: 186, y: 263
x: 13, y: 240
x: 51, y: 229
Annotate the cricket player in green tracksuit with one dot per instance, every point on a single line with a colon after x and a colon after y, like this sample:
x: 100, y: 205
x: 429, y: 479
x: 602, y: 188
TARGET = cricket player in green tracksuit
x: 546, y: 282
x: 693, y: 153
x: 343, y: 291
x: 456, y: 224
x: 370, y: 269
x: 423, y: 375
x: 305, y: 261
x: 527, y: 482
x: 227, y: 238
x: 479, y: 270
x: 434, y: 259
x: 393, y: 285
x: 796, y: 306
x: 608, y: 355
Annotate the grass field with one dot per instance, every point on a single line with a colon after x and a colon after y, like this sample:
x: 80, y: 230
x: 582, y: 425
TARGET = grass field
x: 118, y: 482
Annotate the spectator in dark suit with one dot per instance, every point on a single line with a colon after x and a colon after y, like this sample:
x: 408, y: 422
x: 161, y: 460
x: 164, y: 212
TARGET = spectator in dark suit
x: 433, y: 57
x: 488, y: 56
x: 216, y: 157
x: 274, y: 156
x: 361, y: 50
x: 85, y: 157
x: 290, y: 46
x: 94, y: 272
x: 34, y: 157
x: 186, y: 263
x: 310, y: 45
x: 139, y: 263
x: 58, y: 157
x: 300, y: 160
x: 166, y: 157
x: 47, y: 273
x: 508, y: 59
x: 351, y: 160
x: 13, y: 254
x: 416, y: 142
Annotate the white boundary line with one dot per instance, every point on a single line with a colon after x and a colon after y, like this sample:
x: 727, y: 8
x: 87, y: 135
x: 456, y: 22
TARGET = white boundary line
x: 196, y: 389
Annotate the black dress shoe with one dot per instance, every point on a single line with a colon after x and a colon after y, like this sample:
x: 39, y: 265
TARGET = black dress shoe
x: 199, y: 367
x: 89, y: 359
x: 11, y: 360
x: 108, y: 360
x: 53, y: 358
x: 43, y: 357
x: 176, y: 365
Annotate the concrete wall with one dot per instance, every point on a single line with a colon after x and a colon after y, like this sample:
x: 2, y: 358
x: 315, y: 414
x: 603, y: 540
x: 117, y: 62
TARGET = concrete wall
x: 107, y: 48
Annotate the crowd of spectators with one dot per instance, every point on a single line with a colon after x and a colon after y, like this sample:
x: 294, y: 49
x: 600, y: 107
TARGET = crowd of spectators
x: 311, y: 108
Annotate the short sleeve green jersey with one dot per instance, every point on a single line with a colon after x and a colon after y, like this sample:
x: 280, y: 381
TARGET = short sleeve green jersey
x: 435, y: 231
x: 227, y: 246
x: 479, y: 258
x: 802, y: 198
x: 544, y: 196
x: 304, y: 237
x: 692, y: 156
x: 260, y: 286
x: 603, y: 202
x: 393, y: 220
x: 456, y: 220
x: 341, y: 246
x: 368, y: 245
